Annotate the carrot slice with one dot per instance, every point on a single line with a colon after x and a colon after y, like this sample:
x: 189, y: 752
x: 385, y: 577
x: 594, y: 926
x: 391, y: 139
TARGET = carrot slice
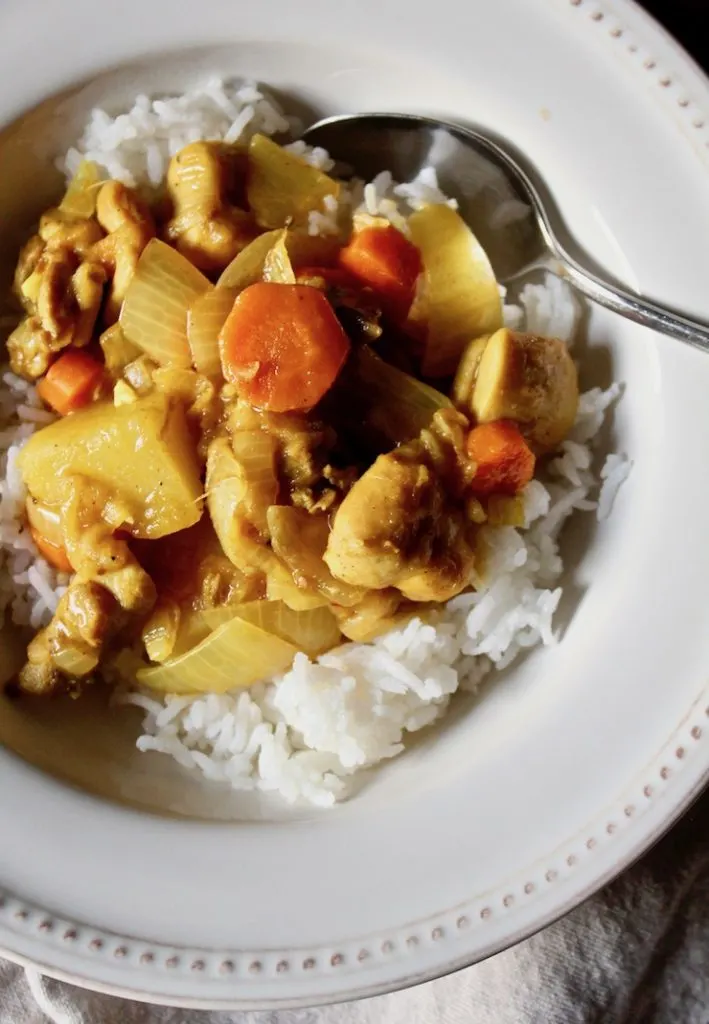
x: 389, y: 263
x: 51, y: 552
x: 505, y: 463
x: 70, y: 382
x: 282, y: 346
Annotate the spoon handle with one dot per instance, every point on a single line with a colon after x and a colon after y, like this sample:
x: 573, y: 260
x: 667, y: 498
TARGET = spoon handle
x: 633, y: 307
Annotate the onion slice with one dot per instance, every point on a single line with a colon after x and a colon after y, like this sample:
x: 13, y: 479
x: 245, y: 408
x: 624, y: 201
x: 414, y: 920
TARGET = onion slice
x: 389, y: 401
x: 235, y: 656
x: 312, y: 631
x: 205, y: 320
x: 155, y: 310
x: 457, y: 297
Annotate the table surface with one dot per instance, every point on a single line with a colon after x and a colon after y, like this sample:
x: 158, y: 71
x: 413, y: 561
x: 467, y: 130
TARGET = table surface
x: 688, y: 21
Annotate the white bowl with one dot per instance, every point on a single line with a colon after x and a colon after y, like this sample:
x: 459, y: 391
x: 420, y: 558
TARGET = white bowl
x: 138, y: 878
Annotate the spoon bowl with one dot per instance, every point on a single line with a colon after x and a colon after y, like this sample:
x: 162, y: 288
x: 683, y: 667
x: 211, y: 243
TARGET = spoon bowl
x: 506, y: 205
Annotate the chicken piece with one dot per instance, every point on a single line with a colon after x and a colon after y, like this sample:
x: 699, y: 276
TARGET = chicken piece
x: 89, y: 519
x: 96, y: 553
x: 68, y: 649
x: 238, y: 499
x: 299, y: 539
x: 66, y: 297
x: 26, y: 265
x: 29, y: 348
x: 384, y: 520
x: 130, y: 226
x: 206, y: 227
x: 109, y: 588
x: 68, y: 300
x: 304, y: 447
x: 374, y: 615
x: 59, y: 287
x: 526, y: 378
x: 59, y: 230
x: 60, y: 233
x: 403, y: 524
x: 449, y: 565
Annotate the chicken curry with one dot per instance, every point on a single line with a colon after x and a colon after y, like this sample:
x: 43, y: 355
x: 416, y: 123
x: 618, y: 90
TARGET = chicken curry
x: 266, y: 440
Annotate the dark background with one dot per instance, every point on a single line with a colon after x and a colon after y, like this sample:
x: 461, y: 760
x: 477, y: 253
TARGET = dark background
x: 687, y: 20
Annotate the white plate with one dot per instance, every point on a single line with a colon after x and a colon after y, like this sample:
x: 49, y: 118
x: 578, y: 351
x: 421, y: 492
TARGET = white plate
x: 513, y: 811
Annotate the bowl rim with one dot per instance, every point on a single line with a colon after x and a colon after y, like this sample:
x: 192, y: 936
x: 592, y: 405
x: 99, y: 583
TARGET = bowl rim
x: 634, y: 23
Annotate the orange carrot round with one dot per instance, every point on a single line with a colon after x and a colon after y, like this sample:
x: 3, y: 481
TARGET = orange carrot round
x: 71, y: 381
x: 282, y: 346
x: 505, y: 463
x: 51, y: 552
x: 386, y: 261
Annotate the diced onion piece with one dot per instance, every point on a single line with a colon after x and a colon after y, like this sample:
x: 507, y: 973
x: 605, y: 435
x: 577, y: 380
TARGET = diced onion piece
x: 74, y: 662
x: 123, y: 393
x: 311, y: 631
x: 118, y: 352
x: 395, y: 404
x: 154, y: 312
x: 235, y: 656
x: 458, y: 297
x: 281, y: 188
x: 30, y: 287
x: 204, y: 322
x: 80, y: 197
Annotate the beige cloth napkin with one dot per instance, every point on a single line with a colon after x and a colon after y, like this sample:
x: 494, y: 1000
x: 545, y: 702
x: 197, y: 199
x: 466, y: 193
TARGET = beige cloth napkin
x: 638, y: 953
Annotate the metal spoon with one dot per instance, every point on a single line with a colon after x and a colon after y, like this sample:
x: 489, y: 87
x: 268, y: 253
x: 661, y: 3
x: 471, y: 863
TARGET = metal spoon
x: 506, y: 204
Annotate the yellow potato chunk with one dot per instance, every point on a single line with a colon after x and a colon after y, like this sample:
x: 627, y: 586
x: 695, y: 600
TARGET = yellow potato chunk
x: 529, y: 379
x: 142, y: 453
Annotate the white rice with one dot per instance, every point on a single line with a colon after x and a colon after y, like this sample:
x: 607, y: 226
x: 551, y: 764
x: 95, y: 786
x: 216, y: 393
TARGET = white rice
x: 29, y: 587
x: 615, y: 470
x: 304, y: 734
x: 136, y: 147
